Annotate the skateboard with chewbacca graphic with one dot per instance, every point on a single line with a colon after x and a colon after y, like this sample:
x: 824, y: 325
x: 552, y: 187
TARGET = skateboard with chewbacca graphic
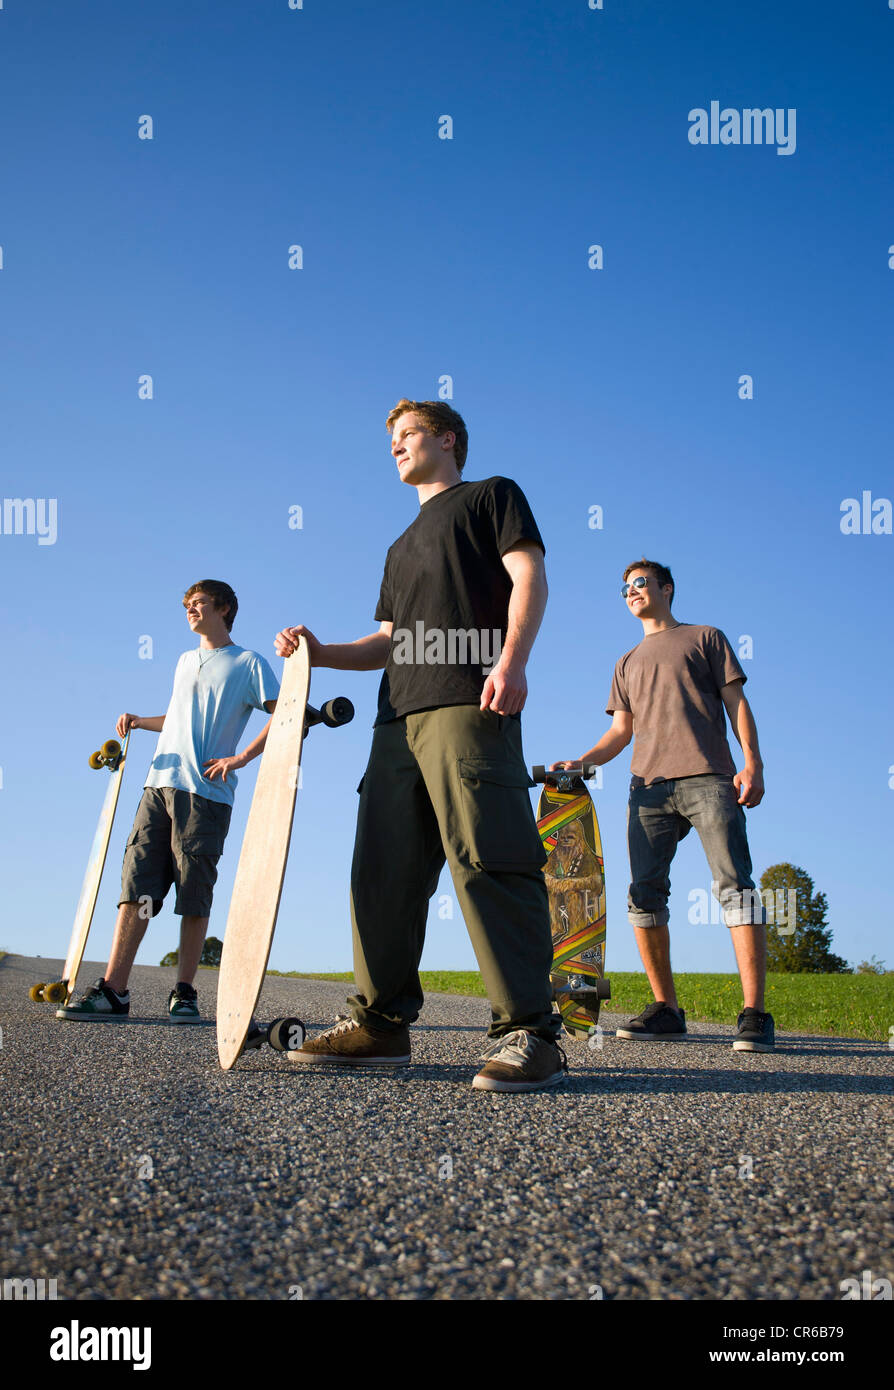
x: 575, y: 881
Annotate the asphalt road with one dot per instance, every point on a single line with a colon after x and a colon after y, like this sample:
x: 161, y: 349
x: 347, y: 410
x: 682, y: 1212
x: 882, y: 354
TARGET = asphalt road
x: 132, y: 1167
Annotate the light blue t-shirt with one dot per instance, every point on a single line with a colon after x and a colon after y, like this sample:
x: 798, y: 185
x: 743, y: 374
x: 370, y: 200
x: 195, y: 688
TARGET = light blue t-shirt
x: 214, y: 694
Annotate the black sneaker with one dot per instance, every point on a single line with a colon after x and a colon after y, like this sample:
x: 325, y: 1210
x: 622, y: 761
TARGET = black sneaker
x: 182, y: 1005
x: 755, y: 1032
x: 100, y: 1004
x: 658, y: 1023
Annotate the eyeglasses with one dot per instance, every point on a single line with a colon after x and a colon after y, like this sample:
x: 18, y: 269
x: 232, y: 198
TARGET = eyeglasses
x: 639, y: 582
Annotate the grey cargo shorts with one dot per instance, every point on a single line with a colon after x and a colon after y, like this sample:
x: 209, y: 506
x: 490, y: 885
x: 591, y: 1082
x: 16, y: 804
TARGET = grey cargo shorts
x: 177, y: 838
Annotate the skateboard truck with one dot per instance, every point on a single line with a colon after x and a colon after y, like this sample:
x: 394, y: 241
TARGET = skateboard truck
x: 110, y: 755
x: 334, y: 712
x: 576, y: 987
x: 283, y: 1035
x: 565, y: 779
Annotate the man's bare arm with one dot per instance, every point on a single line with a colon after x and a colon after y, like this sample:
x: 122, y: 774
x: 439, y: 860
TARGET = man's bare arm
x: 154, y: 723
x: 613, y: 741
x: 749, y: 783
x: 219, y: 767
x: 506, y: 688
x: 368, y: 653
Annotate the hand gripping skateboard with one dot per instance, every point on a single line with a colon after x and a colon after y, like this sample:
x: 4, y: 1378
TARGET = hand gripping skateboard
x: 575, y: 882
x: 112, y: 756
x: 262, y: 866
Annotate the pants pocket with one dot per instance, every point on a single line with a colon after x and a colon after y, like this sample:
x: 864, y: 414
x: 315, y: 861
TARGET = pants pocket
x: 500, y: 830
x: 203, y: 846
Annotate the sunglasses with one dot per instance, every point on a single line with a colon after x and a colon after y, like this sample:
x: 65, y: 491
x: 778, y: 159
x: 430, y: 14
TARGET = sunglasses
x: 639, y: 582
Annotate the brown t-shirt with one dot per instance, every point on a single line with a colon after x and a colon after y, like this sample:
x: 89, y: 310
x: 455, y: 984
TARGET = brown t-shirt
x: 671, y: 684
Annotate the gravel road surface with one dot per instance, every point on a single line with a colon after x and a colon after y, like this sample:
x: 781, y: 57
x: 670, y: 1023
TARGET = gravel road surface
x: 132, y: 1167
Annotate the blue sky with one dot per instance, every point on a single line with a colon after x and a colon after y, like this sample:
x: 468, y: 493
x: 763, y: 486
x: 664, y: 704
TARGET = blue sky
x: 425, y: 259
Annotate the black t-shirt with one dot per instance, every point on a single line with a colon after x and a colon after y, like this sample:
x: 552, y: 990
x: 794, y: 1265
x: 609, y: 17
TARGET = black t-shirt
x: 446, y: 591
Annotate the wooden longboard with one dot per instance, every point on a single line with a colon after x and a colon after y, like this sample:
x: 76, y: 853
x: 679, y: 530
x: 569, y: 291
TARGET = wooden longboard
x: 262, y: 862
x: 60, y: 991
x: 575, y: 881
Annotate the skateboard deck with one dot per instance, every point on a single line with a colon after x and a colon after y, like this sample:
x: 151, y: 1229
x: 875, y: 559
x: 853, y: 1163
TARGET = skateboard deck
x: 265, y: 850
x: 575, y: 882
x: 112, y: 755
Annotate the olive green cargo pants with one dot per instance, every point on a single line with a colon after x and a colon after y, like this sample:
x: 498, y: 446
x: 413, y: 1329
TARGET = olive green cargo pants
x: 450, y: 784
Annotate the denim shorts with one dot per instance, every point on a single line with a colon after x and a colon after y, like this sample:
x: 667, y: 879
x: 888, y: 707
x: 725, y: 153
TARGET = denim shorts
x: 659, y: 816
x: 177, y: 838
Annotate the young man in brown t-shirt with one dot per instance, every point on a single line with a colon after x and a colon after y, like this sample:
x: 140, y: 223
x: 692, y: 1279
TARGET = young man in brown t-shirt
x: 669, y: 695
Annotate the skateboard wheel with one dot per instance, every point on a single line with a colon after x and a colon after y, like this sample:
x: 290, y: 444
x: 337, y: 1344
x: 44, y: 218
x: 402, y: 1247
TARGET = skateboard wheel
x: 286, y: 1034
x: 538, y: 772
x: 337, y: 711
x: 56, y: 992
x: 111, y: 748
x: 36, y: 993
x: 96, y: 761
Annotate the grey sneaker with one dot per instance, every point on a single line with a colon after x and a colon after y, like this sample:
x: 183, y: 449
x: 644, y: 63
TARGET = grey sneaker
x: 658, y: 1023
x: 521, y: 1061
x: 183, y: 1004
x: 100, y: 1004
x: 353, y: 1044
x: 756, y: 1032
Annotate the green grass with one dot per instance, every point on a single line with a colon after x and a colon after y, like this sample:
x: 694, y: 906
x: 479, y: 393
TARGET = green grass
x: 844, y: 1006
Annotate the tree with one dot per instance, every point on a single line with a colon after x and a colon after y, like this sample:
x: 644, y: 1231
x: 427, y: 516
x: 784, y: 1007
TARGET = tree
x: 210, y: 953
x: 806, y: 950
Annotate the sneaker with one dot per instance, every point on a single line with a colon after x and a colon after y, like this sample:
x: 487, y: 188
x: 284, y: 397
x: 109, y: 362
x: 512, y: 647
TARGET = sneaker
x: 521, y: 1061
x: 756, y: 1032
x: 183, y: 1004
x: 658, y: 1023
x: 100, y: 1004
x: 353, y: 1044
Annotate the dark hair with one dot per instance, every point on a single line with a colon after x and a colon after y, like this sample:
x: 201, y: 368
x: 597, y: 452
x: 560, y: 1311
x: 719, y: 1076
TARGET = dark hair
x: 437, y: 417
x: 221, y: 595
x: 661, y: 572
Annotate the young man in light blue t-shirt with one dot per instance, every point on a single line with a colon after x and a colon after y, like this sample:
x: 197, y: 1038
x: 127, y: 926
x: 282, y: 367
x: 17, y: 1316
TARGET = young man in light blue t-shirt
x: 182, y: 821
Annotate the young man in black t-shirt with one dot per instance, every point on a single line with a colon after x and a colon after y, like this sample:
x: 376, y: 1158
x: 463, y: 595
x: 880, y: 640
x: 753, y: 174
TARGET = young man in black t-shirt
x: 461, y: 601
